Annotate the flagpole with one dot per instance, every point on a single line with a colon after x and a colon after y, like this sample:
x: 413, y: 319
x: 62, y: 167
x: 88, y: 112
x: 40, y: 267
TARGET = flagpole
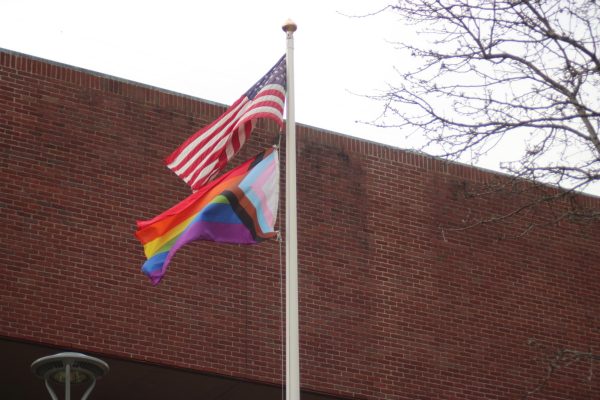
x: 292, y: 346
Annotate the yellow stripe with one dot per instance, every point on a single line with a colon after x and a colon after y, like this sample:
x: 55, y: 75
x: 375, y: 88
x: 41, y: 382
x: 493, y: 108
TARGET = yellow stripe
x: 156, y: 245
x: 220, y: 199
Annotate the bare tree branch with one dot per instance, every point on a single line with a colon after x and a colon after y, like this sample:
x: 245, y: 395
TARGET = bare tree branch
x: 558, y: 359
x: 492, y: 69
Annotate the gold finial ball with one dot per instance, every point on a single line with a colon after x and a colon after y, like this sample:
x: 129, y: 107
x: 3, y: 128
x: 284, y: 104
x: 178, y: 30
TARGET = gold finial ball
x: 289, y: 26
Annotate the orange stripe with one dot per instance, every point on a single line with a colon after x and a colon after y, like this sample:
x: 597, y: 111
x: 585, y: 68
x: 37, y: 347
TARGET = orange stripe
x: 158, y: 226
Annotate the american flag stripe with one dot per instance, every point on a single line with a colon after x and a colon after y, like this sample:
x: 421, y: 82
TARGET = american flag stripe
x: 195, y: 144
x: 260, y: 112
x: 221, y: 158
x: 229, y: 138
x: 189, y: 160
x: 199, y: 155
x: 211, y: 161
x: 196, y: 166
x: 202, y: 156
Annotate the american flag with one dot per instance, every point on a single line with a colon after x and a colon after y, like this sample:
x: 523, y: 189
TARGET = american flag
x: 202, y: 156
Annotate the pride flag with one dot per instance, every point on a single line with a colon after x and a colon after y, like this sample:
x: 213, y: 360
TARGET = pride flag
x: 239, y: 207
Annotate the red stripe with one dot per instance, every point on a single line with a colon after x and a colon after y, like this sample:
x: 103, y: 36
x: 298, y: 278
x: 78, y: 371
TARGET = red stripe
x: 206, y: 158
x: 221, y: 132
x: 193, y: 174
x: 235, y: 142
x: 273, y: 111
x: 208, y: 155
x: 159, y: 225
x: 264, y: 114
x: 194, y: 170
x: 189, y: 140
x: 271, y: 92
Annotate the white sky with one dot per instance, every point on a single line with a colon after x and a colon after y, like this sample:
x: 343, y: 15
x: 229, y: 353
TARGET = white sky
x: 217, y: 49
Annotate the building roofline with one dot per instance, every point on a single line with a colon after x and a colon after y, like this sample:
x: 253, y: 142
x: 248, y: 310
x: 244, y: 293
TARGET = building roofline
x: 165, y: 98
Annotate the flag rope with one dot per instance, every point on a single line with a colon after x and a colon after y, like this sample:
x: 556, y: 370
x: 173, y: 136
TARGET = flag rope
x: 281, y: 295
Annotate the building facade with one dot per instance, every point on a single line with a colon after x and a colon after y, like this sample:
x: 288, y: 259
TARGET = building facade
x: 394, y: 303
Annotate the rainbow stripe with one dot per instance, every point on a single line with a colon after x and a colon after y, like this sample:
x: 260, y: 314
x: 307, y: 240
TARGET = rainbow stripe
x: 240, y: 207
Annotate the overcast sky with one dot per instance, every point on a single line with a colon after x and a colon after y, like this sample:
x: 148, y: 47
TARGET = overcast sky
x: 216, y: 50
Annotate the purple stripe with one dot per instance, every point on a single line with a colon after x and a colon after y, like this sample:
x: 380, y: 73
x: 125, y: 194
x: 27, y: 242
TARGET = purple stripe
x: 203, y: 230
x: 216, y: 232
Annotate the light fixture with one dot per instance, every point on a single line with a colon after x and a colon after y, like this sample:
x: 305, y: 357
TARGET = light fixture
x: 69, y: 368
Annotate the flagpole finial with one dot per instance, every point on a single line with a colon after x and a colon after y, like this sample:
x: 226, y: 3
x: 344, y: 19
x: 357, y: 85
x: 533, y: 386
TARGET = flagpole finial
x: 289, y: 26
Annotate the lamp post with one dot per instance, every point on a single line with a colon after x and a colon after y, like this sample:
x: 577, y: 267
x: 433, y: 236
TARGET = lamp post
x: 69, y: 368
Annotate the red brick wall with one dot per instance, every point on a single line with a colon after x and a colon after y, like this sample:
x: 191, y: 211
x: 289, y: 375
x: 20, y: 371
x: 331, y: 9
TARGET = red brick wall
x: 392, y: 306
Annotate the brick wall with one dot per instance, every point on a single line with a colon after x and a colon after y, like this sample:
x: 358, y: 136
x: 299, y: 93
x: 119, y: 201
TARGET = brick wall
x: 392, y: 305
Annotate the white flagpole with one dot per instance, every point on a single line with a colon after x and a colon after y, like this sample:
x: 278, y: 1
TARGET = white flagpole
x: 292, y: 347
